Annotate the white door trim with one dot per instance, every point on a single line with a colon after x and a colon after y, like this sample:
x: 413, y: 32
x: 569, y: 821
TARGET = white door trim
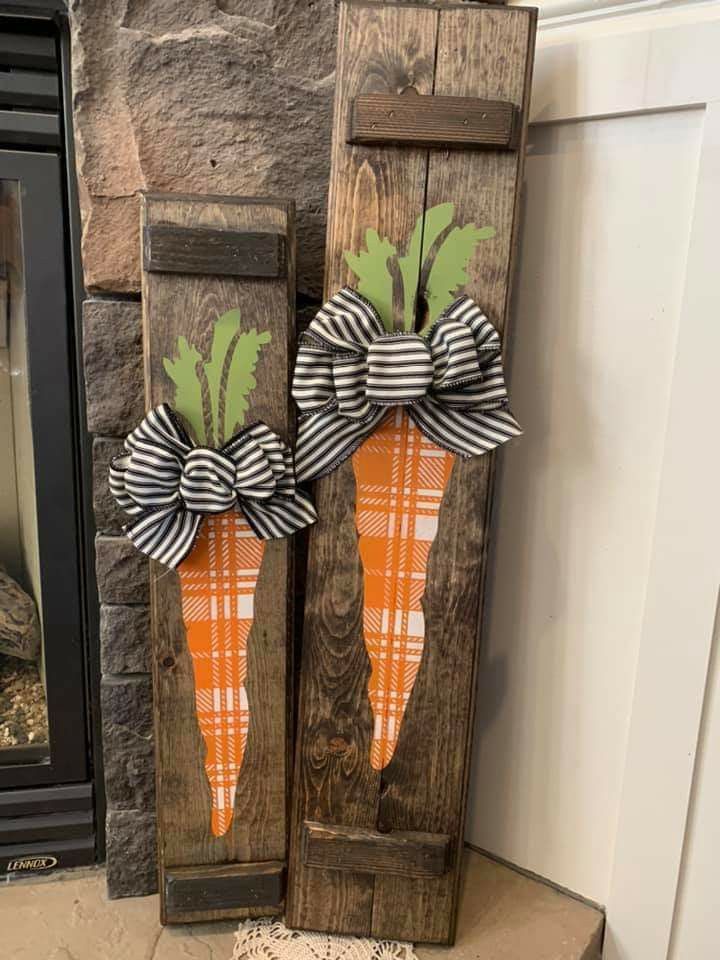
x: 680, y: 607
x: 653, y: 67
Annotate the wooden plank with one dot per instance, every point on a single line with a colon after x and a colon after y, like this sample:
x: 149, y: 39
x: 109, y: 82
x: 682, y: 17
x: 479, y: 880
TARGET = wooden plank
x: 402, y: 853
x: 494, y: 48
x: 186, y: 305
x: 487, y: 54
x: 193, y: 890
x: 171, y: 249
x: 334, y: 783
x: 478, y: 51
x: 448, y: 122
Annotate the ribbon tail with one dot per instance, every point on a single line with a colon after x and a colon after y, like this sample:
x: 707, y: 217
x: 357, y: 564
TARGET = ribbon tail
x: 326, y: 439
x: 118, y: 470
x: 166, y: 535
x: 468, y: 433
x: 278, y: 517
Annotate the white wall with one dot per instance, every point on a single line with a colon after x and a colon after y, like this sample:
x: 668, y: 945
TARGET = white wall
x: 696, y: 932
x: 598, y: 297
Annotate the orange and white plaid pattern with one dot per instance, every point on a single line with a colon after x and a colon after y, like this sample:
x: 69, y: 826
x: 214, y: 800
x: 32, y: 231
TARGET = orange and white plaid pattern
x: 218, y: 581
x: 400, y: 479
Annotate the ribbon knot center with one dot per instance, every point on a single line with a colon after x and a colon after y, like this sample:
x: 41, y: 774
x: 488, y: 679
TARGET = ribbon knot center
x: 207, y: 481
x: 400, y: 369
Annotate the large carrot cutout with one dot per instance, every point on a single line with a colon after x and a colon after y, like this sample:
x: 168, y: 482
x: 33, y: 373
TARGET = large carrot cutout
x: 400, y: 474
x: 219, y: 577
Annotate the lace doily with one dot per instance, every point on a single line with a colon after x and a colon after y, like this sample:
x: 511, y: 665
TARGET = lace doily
x: 269, y: 939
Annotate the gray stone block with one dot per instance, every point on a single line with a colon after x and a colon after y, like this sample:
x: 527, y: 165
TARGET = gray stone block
x: 131, y: 853
x: 109, y: 518
x: 127, y: 734
x: 113, y: 360
x: 122, y: 571
x: 157, y: 106
x: 124, y: 639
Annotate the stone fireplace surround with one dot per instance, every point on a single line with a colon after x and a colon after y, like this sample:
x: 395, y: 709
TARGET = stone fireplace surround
x: 189, y: 96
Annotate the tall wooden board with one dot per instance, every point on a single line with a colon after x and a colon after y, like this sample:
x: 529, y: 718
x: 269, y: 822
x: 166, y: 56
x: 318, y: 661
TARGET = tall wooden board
x: 366, y: 846
x: 238, y: 874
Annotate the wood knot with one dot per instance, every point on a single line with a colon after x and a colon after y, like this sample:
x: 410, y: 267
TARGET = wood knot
x: 338, y: 746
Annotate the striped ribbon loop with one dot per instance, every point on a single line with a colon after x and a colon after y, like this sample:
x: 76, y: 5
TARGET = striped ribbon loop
x: 167, y: 484
x: 349, y: 370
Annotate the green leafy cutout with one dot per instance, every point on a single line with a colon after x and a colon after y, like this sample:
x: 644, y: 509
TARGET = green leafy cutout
x: 229, y: 378
x: 447, y: 273
x: 225, y: 329
x: 445, y: 269
x: 375, y: 280
x: 429, y: 227
x: 240, y: 381
x: 188, y: 390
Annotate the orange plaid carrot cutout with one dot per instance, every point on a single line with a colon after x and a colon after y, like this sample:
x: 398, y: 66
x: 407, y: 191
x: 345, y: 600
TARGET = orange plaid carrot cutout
x: 218, y: 579
x: 217, y: 582
x: 402, y: 405
x: 206, y: 506
x: 400, y: 477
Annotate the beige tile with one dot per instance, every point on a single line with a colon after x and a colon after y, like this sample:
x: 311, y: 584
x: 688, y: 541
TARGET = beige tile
x: 503, y: 916
x: 71, y: 919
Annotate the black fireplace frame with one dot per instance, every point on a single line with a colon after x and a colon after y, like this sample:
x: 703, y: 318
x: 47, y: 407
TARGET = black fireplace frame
x: 52, y: 812
x: 51, y: 412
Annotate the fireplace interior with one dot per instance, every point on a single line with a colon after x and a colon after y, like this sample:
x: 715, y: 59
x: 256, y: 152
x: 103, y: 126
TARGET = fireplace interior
x: 47, y: 688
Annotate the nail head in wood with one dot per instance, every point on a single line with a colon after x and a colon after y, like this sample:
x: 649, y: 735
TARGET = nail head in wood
x: 205, y: 250
x: 224, y: 886
x: 413, y: 119
x: 404, y: 853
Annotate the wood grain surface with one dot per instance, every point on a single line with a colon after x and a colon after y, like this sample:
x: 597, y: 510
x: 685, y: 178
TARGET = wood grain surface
x: 405, y: 853
x: 171, y: 249
x: 408, y: 118
x: 460, y: 50
x: 187, y: 305
x: 223, y: 887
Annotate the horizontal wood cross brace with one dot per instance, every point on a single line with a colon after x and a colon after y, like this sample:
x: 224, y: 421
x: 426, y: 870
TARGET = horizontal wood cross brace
x: 224, y: 886
x: 411, y: 119
x: 171, y: 249
x: 400, y: 852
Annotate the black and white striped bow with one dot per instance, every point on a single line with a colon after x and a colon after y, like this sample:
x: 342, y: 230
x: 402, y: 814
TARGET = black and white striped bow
x: 168, y: 484
x: 349, y: 370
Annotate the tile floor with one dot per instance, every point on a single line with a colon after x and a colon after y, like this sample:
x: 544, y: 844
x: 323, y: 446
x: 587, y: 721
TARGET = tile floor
x: 503, y: 916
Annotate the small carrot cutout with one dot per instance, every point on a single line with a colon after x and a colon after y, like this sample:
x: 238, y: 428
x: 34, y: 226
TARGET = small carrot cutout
x: 401, y: 476
x: 218, y: 578
x: 217, y: 584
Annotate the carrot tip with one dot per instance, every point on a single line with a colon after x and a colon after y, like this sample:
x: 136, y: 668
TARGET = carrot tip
x: 220, y: 822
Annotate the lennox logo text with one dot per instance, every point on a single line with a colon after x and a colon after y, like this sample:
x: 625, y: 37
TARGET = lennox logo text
x: 32, y: 863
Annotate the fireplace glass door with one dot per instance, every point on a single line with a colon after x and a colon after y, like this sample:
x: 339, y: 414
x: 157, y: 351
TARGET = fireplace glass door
x: 43, y: 738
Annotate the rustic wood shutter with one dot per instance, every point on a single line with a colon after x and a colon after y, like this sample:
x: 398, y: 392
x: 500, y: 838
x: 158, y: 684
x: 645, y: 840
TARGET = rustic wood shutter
x: 202, y: 257
x: 379, y: 852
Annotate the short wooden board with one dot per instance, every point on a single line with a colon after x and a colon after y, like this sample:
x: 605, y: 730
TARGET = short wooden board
x: 432, y: 121
x: 403, y: 853
x: 179, y: 304
x: 190, y: 891
x: 235, y: 253
x: 446, y: 49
